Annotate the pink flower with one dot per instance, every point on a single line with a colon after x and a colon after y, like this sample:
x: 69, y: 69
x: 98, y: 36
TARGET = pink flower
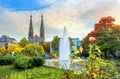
x: 92, y: 39
x: 81, y: 49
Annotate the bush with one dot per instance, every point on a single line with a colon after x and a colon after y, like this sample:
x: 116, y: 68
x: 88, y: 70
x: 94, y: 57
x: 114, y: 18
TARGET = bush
x: 38, y: 61
x: 23, y: 63
x: 7, y: 60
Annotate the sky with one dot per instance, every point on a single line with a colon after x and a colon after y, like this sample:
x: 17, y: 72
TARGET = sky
x: 79, y: 16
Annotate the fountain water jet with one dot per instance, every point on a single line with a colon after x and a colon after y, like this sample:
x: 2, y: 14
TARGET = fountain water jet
x: 64, y: 50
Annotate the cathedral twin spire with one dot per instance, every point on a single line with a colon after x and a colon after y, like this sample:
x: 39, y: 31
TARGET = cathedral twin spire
x: 42, y: 35
x: 31, y: 27
x: 36, y: 39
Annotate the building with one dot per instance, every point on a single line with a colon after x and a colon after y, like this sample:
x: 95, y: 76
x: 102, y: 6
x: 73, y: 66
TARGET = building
x: 5, y: 41
x: 36, y: 39
x: 76, y: 42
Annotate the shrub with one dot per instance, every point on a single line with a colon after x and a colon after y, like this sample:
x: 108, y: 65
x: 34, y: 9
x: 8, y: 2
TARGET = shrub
x: 7, y: 60
x: 23, y: 63
x: 38, y: 61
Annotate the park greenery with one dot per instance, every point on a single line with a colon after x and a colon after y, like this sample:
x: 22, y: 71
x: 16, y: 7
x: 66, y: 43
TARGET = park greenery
x: 23, y: 42
x: 55, y: 44
x: 95, y: 67
x: 23, y: 48
x: 44, y: 72
x: 27, y: 61
x: 107, y: 36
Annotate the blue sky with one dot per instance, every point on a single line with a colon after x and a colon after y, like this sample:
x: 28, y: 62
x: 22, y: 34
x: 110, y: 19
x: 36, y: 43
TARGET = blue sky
x: 23, y: 5
x: 79, y: 16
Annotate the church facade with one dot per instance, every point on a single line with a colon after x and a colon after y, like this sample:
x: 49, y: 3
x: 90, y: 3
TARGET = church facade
x: 36, y: 39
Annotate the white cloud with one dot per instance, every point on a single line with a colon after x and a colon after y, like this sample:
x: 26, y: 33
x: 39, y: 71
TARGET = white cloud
x: 46, y: 2
x: 79, y: 16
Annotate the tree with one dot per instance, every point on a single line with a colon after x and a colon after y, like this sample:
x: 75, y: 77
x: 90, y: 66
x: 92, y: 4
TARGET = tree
x: 47, y: 48
x: 33, y: 50
x: 43, y: 44
x: 14, y: 48
x: 71, y: 42
x: 116, y: 31
x: 107, y: 36
x: 55, y: 44
x: 104, y: 23
x: 3, y: 50
x: 23, y: 42
x: 108, y: 41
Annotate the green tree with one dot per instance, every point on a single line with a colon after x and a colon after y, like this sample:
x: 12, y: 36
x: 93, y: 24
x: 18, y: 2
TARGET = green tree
x: 71, y: 42
x: 107, y: 34
x: 108, y: 41
x: 55, y: 44
x: 23, y: 42
x: 33, y: 50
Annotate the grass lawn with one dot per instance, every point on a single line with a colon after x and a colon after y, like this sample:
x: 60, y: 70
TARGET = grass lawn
x: 8, y: 72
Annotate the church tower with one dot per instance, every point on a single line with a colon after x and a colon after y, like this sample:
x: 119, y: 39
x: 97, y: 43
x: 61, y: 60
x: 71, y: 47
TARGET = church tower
x: 42, y: 34
x: 31, y: 32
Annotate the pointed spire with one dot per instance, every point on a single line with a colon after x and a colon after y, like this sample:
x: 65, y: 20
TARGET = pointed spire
x: 42, y: 20
x: 31, y: 32
x: 42, y: 34
x: 31, y: 27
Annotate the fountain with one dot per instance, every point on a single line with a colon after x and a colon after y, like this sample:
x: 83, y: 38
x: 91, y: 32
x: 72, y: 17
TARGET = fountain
x: 64, y: 50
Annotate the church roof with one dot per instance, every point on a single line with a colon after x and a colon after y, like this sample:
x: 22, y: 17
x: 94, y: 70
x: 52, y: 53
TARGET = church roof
x: 36, y: 36
x: 5, y: 38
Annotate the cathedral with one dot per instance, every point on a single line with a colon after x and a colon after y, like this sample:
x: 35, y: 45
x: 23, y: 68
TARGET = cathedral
x: 36, y: 39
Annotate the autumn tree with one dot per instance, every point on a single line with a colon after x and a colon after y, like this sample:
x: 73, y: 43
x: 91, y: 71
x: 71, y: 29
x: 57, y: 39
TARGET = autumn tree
x: 14, y: 48
x: 2, y: 51
x: 47, y: 48
x: 107, y: 34
x: 104, y: 23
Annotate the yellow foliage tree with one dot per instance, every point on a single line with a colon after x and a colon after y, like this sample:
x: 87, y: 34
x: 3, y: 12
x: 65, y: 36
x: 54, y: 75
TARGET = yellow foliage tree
x: 16, y: 48
x: 3, y: 51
